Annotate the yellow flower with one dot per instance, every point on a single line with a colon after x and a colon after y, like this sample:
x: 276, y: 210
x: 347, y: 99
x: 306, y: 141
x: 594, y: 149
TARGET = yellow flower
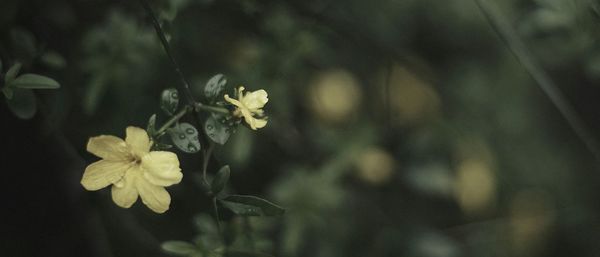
x: 132, y: 170
x: 249, y: 106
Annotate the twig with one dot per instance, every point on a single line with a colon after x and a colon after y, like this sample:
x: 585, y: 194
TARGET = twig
x: 185, y: 88
x: 520, y: 51
x: 216, y: 209
x: 207, y: 154
x: 173, y: 119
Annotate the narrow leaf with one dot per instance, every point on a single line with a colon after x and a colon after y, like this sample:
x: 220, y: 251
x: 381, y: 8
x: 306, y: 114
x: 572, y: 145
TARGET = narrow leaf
x: 220, y: 179
x: 247, y: 205
x: 34, y: 81
x: 179, y: 248
x: 12, y: 72
x: 151, y: 128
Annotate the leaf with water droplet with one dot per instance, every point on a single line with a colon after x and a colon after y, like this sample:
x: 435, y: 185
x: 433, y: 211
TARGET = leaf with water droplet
x: 215, y: 86
x: 217, y: 131
x: 169, y: 100
x: 248, y: 205
x: 185, y: 137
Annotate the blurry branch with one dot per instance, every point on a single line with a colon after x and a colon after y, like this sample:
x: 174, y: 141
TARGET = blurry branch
x: 197, y: 106
x: 185, y: 88
x: 500, y: 24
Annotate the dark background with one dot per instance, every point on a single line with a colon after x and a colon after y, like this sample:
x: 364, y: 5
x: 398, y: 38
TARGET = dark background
x: 396, y: 128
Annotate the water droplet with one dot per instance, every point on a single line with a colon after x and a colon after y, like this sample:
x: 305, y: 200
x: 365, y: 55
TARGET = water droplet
x: 181, y: 136
x: 174, y: 95
x: 190, y: 131
x: 209, y: 127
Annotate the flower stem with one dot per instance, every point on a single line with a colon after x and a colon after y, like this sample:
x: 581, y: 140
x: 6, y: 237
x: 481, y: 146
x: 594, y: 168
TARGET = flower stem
x: 208, y: 108
x: 216, y: 209
x: 172, y: 120
x: 205, y: 160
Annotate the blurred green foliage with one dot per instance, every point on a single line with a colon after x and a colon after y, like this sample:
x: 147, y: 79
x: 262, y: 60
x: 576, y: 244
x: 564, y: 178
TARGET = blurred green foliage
x: 396, y: 128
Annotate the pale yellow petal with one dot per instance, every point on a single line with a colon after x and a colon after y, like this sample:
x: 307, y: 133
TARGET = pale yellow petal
x: 232, y: 101
x: 260, y: 123
x: 125, y: 194
x: 138, y: 140
x: 161, y: 168
x: 255, y: 100
x: 155, y: 197
x: 108, y: 147
x: 248, y: 118
x: 102, y: 173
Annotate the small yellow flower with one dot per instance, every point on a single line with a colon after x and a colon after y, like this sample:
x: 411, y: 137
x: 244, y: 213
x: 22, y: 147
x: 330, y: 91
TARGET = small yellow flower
x: 132, y: 170
x: 249, y: 106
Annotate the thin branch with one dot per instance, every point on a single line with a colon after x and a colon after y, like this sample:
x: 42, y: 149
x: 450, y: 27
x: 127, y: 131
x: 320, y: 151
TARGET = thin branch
x: 185, y: 88
x: 207, y: 154
x: 500, y: 24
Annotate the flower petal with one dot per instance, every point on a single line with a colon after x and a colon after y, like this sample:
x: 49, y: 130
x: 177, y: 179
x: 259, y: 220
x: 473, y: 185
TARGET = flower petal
x: 102, y: 173
x: 260, y: 123
x: 155, y: 197
x: 161, y: 168
x: 108, y: 147
x: 255, y: 100
x: 124, y: 193
x: 138, y: 140
x: 253, y: 122
x: 233, y: 101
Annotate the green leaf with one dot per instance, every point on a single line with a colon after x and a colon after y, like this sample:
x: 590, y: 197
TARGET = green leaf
x: 151, y: 128
x: 215, y: 86
x: 34, y: 81
x: 157, y: 146
x: 243, y: 253
x: 217, y: 131
x: 169, y: 100
x: 220, y: 179
x: 180, y: 248
x: 23, y: 104
x: 205, y: 224
x: 247, y: 205
x: 8, y: 92
x: 185, y: 137
x: 54, y: 60
x: 12, y: 73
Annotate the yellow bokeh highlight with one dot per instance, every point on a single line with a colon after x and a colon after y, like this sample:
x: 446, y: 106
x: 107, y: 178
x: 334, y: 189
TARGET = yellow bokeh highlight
x: 475, y: 187
x: 334, y: 96
x: 375, y: 166
x: 412, y: 99
x: 532, y: 212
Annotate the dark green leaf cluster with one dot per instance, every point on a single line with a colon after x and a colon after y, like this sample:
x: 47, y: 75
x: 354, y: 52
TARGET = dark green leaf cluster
x: 17, y: 89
